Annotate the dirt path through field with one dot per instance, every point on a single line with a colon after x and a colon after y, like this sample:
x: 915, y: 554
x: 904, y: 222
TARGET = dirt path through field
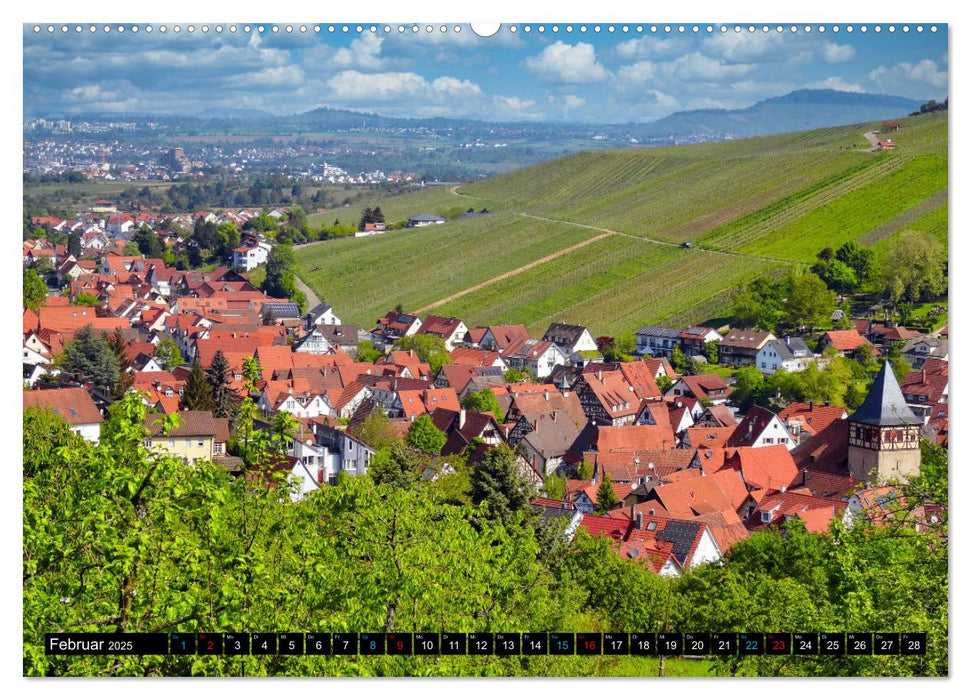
x: 875, y: 235
x: 312, y: 298
x: 874, y: 140
x: 512, y: 273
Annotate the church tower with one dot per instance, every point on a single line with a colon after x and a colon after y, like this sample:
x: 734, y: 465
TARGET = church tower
x: 884, y: 434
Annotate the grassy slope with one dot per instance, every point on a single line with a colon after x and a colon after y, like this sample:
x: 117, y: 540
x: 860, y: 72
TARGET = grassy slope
x: 783, y: 197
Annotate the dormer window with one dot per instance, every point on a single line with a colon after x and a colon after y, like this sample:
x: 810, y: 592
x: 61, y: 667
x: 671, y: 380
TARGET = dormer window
x: 766, y: 516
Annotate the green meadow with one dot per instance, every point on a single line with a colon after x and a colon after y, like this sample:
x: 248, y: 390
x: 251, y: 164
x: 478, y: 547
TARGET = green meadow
x: 749, y: 206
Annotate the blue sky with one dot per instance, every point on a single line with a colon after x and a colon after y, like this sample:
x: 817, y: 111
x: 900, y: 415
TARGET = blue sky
x: 576, y: 75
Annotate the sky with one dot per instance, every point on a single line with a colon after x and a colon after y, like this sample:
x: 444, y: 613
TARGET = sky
x: 581, y: 75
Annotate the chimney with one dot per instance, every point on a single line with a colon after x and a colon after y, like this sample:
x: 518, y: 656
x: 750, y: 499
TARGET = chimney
x: 633, y: 516
x: 805, y: 473
x: 810, y: 404
x: 923, y: 376
x: 639, y: 521
x: 461, y: 418
x: 600, y: 375
x: 554, y: 416
x: 546, y: 395
x: 650, y: 512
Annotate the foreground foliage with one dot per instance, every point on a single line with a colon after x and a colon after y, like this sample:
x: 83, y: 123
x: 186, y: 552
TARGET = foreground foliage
x: 118, y: 539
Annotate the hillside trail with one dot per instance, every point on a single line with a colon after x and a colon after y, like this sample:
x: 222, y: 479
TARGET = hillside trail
x: 874, y: 140
x: 312, y: 298
x: 642, y: 239
x: 511, y: 273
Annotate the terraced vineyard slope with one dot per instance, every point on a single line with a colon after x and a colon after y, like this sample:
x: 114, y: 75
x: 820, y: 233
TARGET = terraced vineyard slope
x: 595, y: 238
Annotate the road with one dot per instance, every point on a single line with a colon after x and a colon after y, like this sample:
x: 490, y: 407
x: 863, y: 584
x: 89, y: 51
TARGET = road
x: 874, y: 140
x: 312, y: 298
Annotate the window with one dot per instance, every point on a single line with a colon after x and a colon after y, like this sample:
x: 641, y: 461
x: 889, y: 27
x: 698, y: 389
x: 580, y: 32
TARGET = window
x: 201, y: 443
x: 766, y: 516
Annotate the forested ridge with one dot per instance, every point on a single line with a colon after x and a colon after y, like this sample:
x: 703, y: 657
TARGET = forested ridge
x: 119, y: 539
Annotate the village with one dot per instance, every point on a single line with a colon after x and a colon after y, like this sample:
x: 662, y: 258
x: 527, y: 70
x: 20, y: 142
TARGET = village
x: 664, y: 462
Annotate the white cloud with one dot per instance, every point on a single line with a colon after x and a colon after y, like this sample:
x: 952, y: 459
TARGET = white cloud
x: 835, y: 82
x: 745, y: 47
x: 572, y: 101
x: 562, y: 63
x: 649, y: 46
x: 919, y: 79
x: 514, y: 103
x: 278, y: 77
x: 696, y: 67
x: 453, y: 87
x: 364, y: 52
x: 354, y: 86
x: 636, y: 73
x: 837, y: 53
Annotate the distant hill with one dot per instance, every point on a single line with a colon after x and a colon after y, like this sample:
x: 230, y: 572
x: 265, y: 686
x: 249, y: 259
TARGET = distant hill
x: 796, y: 111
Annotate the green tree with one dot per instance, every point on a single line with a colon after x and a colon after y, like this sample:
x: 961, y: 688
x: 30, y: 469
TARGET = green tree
x: 252, y: 373
x: 376, y: 431
x: 131, y: 249
x: 837, y: 275
x: 423, y: 435
x: 35, y: 291
x: 748, y: 388
x: 679, y: 361
x: 89, y: 358
x: 280, y: 281
x: 167, y: 354
x: 197, y: 394
x: 45, y: 433
x: 808, y: 304
x: 148, y: 242
x: 554, y: 486
x: 74, y: 244
x: 913, y: 268
x: 484, y: 402
x: 396, y: 465
x: 759, y: 305
x: 585, y: 470
x: 514, y: 376
x: 86, y: 299
x: 664, y: 382
x: 861, y: 260
x: 711, y: 351
x: 606, y: 498
x: 498, y: 486
x: 366, y: 351
x: 119, y: 348
x: 425, y: 345
x: 225, y: 400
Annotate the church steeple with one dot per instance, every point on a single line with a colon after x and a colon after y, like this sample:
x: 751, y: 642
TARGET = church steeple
x: 884, y: 433
x: 885, y: 404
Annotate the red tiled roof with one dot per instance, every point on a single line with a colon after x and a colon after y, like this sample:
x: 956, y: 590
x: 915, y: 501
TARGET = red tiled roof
x: 73, y: 405
x: 814, y: 418
x: 710, y: 438
x: 769, y: 467
x: 632, y: 437
x: 845, y: 340
x: 72, y: 318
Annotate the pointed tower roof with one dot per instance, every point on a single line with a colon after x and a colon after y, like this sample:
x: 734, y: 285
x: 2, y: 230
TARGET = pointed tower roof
x: 885, y: 404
